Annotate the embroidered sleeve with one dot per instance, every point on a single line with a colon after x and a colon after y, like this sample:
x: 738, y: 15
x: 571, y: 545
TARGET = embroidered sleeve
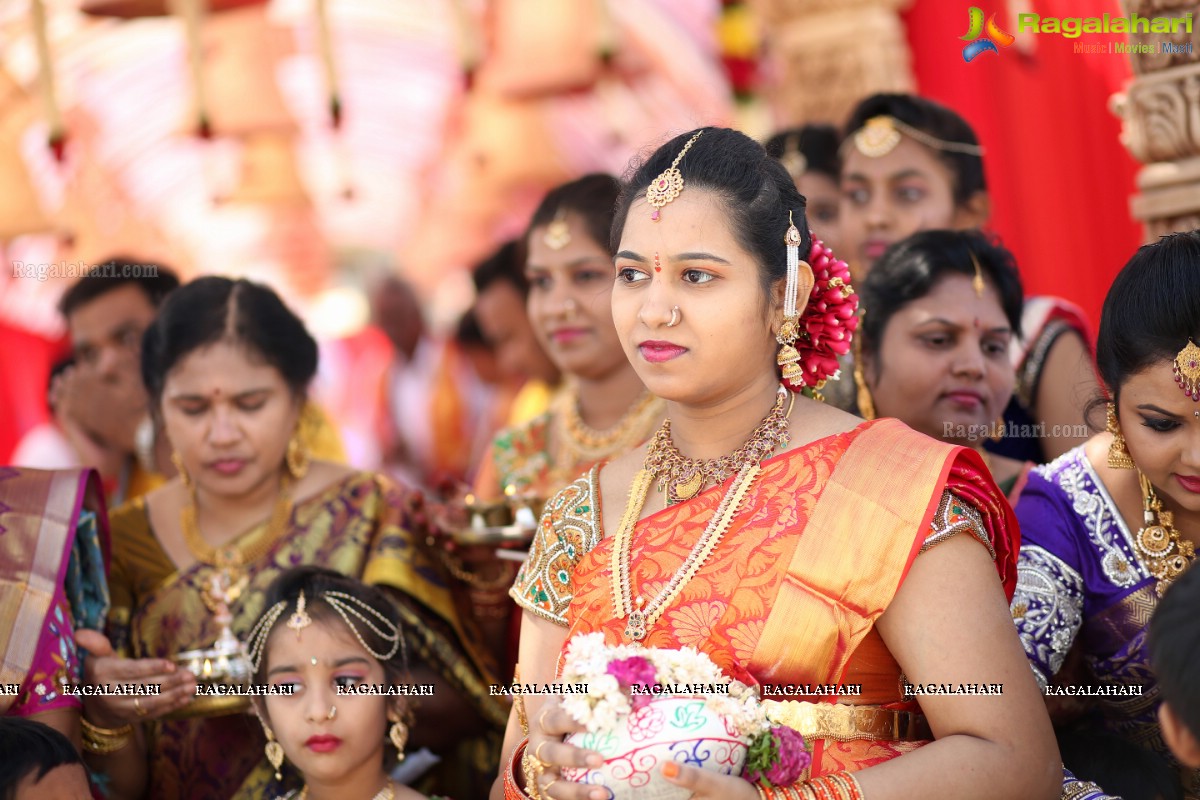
x: 1075, y: 789
x: 1047, y: 609
x: 568, y: 530
x: 953, y: 516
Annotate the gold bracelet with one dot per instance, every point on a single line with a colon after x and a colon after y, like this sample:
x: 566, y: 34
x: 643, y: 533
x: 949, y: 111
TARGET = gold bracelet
x: 103, y: 741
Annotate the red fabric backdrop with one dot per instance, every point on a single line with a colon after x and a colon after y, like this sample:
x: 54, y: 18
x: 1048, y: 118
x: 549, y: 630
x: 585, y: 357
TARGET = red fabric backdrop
x: 1060, y: 180
x: 25, y: 361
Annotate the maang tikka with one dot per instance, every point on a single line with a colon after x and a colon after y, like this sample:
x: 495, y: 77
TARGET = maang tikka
x: 669, y: 183
x: 558, y: 232
x: 1187, y: 370
x: 789, y: 358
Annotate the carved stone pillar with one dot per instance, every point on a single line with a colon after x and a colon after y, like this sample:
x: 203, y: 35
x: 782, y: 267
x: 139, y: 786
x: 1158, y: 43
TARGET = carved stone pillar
x: 1161, y: 114
x: 832, y: 53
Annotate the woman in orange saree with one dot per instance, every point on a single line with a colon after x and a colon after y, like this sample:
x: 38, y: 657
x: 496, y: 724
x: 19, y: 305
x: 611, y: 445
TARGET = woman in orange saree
x: 830, y: 557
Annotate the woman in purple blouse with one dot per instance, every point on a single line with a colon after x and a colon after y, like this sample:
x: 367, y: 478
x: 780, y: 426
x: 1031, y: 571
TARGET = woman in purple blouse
x: 1107, y: 526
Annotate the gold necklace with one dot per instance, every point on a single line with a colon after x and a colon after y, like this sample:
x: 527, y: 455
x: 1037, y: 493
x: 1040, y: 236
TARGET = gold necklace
x: 683, y: 478
x: 1166, y: 552
x: 646, y: 614
x: 578, y: 443
x: 231, y: 554
x: 231, y: 559
x: 386, y: 793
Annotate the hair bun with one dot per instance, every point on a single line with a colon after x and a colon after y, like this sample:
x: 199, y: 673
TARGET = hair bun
x: 829, y: 320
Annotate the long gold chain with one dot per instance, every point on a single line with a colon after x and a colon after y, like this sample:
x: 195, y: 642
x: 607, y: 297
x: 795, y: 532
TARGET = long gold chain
x: 683, y: 478
x: 231, y: 555
x: 1166, y: 552
x: 646, y: 614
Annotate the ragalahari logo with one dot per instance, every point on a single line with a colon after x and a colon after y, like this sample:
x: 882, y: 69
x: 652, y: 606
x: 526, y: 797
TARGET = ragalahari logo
x: 980, y: 43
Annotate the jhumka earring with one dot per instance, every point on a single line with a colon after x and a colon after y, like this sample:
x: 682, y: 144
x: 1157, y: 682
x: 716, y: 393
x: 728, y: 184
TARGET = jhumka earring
x: 1118, y: 453
x: 1187, y: 370
x: 274, y: 751
x: 398, y: 734
x: 788, y: 358
x: 669, y: 183
x: 177, y: 461
x: 297, y: 456
x: 558, y: 233
x: 866, y: 403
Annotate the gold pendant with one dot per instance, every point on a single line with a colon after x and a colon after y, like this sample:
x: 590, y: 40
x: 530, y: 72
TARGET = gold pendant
x: 636, y: 627
x: 1154, y: 540
x: 689, y: 487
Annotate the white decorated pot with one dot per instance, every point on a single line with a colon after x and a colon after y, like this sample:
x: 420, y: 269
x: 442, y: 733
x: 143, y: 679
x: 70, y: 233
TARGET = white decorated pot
x: 679, y: 729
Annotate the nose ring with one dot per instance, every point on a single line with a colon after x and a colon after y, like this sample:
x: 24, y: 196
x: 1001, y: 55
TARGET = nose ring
x: 332, y: 712
x: 674, y: 317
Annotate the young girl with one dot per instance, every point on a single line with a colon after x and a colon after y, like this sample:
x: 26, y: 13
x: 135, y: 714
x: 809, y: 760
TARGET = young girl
x: 321, y: 635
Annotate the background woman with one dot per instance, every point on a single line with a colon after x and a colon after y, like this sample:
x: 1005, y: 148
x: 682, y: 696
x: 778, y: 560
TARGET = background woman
x: 603, y: 408
x: 810, y: 155
x: 1107, y: 526
x: 910, y: 164
x: 945, y: 307
x: 227, y: 365
x: 816, y: 577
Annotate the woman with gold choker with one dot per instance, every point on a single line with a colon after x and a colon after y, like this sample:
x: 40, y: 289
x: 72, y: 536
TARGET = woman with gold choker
x: 790, y: 542
x: 603, y: 410
x: 227, y: 365
x: 1109, y: 525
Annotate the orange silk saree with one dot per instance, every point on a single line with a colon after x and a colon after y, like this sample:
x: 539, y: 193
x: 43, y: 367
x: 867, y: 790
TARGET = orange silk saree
x: 790, y: 596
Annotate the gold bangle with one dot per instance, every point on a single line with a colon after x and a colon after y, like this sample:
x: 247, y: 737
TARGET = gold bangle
x: 533, y: 769
x: 103, y: 741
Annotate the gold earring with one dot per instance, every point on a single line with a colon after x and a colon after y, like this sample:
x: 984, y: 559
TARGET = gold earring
x: 274, y: 751
x: 788, y: 357
x: 177, y: 460
x: 1118, y: 453
x: 399, y: 736
x: 297, y: 456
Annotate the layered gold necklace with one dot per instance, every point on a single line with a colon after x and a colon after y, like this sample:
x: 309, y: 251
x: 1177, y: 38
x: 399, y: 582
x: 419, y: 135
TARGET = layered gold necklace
x: 230, y: 560
x: 1166, y: 552
x: 746, y: 461
x: 578, y: 443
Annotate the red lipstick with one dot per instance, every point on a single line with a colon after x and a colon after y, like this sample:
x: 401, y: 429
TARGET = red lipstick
x: 228, y: 466
x: 1189, y: 482
x: 323, y: 743
x: 657, y: 352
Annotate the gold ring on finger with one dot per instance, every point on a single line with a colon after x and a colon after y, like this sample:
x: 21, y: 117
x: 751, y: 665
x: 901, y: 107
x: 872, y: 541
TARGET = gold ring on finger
x: 537, y: 753
x: 546, y: 788
x: 137, y: 706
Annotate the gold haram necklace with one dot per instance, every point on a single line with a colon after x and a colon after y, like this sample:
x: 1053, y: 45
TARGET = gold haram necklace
x: 231, y: 560
x: 683, y: 478
x: 1166, y: 552
x: 747, y: 461
x: 579, y: 443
